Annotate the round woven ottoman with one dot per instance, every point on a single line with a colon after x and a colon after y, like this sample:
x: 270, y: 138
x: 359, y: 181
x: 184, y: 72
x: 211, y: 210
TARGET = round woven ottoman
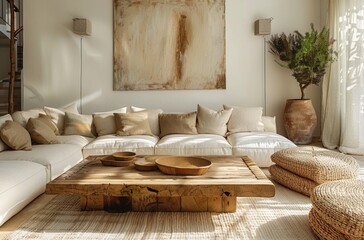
x: 310, y: 166
x: 338, y: 210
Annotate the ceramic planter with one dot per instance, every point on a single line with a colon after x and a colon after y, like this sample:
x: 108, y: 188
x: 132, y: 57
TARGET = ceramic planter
x: 300, y: 120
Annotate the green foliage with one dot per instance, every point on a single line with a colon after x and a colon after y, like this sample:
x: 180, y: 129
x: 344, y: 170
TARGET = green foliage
x: 306, y: 55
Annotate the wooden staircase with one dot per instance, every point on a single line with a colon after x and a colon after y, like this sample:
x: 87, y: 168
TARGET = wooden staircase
x: 14, y: 39
x: 19, y: 57
x: 4, y: 93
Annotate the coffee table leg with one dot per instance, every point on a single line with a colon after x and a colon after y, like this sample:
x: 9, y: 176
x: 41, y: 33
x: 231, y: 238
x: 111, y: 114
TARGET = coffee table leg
x: 208, y: 204
x: 91, y: 202
x: 175, y: 204
x: 229, y: 204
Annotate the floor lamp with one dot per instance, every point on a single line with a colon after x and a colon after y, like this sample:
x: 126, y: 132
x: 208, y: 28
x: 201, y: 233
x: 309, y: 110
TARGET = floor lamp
x: 262, y: 27
x: 82, y: 27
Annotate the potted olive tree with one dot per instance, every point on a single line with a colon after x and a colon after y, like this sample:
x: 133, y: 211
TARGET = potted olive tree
x: 308, y: 57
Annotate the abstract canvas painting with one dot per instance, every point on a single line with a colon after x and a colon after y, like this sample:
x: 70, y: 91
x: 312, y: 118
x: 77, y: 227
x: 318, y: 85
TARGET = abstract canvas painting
x: 169, y: 44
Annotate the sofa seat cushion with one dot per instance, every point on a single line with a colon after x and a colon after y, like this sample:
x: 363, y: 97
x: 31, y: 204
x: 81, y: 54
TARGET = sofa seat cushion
x: 259, y: 146
x: 20, y: 183
x: 57, y: 158
x: 74, y: 139
x: 189, y: 145
x: 108, y: 144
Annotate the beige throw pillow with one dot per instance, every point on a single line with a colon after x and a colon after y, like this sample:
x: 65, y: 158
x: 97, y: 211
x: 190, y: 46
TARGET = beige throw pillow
x: 153, y: 118
x: 77, y: 124
x: 57, y: 114
x: 40, y: 132
x: 132, y: 124
x: 15, y: 136
x: 212, y: 122
x: 269, y: 124
x: 173, y: 123
x: 105, y: 121
x: 3, y: 119
x: 245, y: 119
x: 48, y: 121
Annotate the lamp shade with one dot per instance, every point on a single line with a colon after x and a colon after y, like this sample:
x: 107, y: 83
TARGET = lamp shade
x: 82, y: 26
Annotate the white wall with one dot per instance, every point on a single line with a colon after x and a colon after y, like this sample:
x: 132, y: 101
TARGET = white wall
x: 52, y: 58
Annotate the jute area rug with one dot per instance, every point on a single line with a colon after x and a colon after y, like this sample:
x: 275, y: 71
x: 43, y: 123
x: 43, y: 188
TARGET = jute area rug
x: 281, y: 217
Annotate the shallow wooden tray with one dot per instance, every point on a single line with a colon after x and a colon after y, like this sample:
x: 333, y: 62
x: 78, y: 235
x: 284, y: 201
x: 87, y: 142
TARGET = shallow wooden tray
x: 145, y: 164
x: 110, y: 161
x: 183, y: 165
x: 123, y: 156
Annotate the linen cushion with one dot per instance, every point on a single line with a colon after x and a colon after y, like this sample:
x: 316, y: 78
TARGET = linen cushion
x: 77, y: 124
x: 291, y: 180
x: 48, y: 121
x: 188, y: 145
x: 213, y: 122
x: 259, y: 146
x: 3, y: 119
x: 269, y: 124
x: 108, y: 144
x: 245, y: 119
x: 318, y: 164
x: 20, y: 183
x: 128, y: 124
x: 173, y: 123
x: 57, y: 114
x: 75, y: 140
x: 153, y: 118
x: 22, y: 117
x: 57, y: 158
x: 105, y: 121
x: 40, y: 132
x: 15, y: 136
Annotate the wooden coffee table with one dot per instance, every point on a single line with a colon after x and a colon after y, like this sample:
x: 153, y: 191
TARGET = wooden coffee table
x: 121, y: 189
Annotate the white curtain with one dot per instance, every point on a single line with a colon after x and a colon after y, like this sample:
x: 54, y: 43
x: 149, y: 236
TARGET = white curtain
x: 343, y: 87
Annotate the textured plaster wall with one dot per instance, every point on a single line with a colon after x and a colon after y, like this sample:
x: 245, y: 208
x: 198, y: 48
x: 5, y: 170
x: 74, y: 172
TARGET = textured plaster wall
x: 52, y: 59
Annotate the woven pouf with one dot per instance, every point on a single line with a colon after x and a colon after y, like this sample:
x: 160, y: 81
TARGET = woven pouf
x: 338, y: 210
x: 317, y: 164
x: 291, y: 180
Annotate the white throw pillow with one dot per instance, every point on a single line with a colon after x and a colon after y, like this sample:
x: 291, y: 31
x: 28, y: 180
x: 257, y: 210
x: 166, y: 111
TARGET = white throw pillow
x: 245, y: 119
x: 105, y: 121
x: 212, y: 122
x: 57, y: 114
x: 22, y: 117
x: 269, y: 124
x: 3, y: 119
x: 152, y: 118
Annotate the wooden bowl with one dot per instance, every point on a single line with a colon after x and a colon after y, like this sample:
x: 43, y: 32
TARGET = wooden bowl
x: 183, y: 165
x: 110, y: 161
x: 123, y: 156
x: 145, y: 164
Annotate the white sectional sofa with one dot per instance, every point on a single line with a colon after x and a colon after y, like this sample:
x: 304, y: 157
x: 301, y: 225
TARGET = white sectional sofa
x: 24, y: 174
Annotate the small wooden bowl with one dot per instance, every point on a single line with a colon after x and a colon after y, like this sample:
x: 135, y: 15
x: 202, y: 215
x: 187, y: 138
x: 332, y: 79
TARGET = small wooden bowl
x: 145, y: 164
x: 183, y: 165
x: 123, y: 156
x: 110, y: 161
